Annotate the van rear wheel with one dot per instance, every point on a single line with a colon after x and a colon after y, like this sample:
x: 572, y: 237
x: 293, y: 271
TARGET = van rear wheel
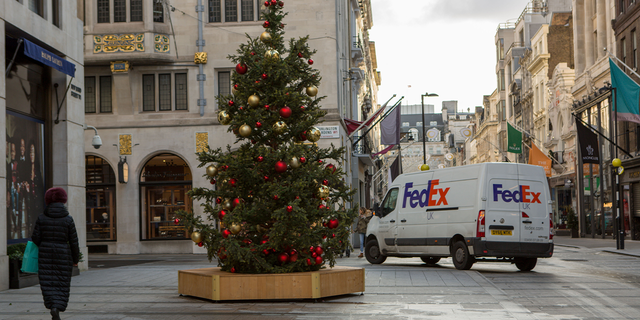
x: 372, y: 252
x: 460, y: 256
x: 430, y: 260
x: 526, y: 264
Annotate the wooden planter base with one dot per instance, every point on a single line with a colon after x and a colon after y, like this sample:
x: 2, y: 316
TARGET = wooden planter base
x: 213, y: 284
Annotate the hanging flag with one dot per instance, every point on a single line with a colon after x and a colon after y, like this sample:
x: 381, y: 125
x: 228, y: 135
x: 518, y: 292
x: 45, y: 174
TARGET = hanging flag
x: 627, y: 94
x: 396, y: 167
x: 514, y: 139
x: 538, y: 158
x: 588, y: 141
x: 385, y: 150
x: 390, y: 128
x: 354, y: 125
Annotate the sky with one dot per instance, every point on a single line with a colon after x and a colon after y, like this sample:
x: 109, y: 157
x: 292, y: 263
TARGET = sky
x: 445, y: 47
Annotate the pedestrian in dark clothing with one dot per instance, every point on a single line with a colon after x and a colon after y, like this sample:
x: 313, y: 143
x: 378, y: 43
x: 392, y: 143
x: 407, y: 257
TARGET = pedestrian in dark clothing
x: 57, y: 241
x: 361, y: 227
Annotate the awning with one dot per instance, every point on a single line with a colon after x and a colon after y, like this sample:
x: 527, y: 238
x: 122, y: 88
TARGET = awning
x: 44, y: 56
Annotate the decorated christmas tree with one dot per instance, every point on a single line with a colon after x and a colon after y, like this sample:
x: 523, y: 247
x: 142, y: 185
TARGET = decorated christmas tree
x: 277, y: 203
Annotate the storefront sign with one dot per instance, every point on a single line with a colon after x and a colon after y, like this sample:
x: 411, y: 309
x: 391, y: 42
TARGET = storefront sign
x: 42, y: 55
x: 76, y: 92
x: 329, y: 132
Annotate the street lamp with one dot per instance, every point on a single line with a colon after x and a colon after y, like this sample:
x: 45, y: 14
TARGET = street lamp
x: 424, y: 143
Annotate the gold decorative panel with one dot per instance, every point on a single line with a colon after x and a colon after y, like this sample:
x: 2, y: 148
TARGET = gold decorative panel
x: 111, y: 43
x: 161, y: 43
x: 202, y: 141
x: 125, y: 144
x: 119, y: 66
x: 200, y: 58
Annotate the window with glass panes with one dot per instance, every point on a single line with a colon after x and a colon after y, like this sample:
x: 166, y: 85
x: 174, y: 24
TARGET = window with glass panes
x: 165, y: 84
x: 635, y: 48
x: 247, y: 10
x: 136, y: 10
x: 119, y: 11
x: 148, y: 92
x: 56, y: 13
x: 230, y: 10
x: 103, y: 11
x: 235, y: 10
x: 90, y: 94
x: 164, y: 92
x: 105, y: 94
x: 181, y: 91
x: 224, y: 82
x: 158, y: 12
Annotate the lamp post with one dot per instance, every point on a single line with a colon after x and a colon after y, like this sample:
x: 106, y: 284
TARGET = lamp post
x: 424, y: 143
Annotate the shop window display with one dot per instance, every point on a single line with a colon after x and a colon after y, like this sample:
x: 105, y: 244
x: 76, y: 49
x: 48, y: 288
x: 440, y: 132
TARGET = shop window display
x: 101, y: 200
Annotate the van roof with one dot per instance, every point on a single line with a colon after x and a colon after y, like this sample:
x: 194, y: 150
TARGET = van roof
x: 481, y: 167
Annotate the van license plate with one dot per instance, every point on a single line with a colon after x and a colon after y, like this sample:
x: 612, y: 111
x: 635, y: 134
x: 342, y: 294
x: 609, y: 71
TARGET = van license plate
x: 501, y: 232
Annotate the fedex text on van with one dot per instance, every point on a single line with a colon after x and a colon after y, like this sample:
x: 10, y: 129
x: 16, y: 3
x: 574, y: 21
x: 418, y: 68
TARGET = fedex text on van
x: 431, y: 196
x: 521, y: 195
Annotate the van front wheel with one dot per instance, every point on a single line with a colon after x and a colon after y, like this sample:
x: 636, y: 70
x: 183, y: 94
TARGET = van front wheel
x: 372, y: 252
x: 460, y: 256
x: 526, y: 264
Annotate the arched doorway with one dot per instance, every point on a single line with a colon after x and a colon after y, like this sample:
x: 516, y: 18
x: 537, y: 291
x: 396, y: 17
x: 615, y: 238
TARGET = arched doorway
x: 101, y: 200
x: 164, y: 183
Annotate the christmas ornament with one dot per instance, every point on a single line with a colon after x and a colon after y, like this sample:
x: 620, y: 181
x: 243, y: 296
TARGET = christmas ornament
x: 321, y: 206
x: 265, y: 37
x: 281, y: 3
x: 275, y: 197
x: 424, y: 167
x: 319, y: 250
x: 323, y: 192
x: 267, y: 3
x: 333, y: 223
x: 200, y: 244
x: 302, y: 108
x: 236, y: 86
x: 303, y: 136
x: 300, y: 55
x: 213, y: 181
x: 253, y: 53
x: 281, y: 167
x: 309, y: 262
x: 325, y: 182
x: 234, y: 91
x: 324, y: 236
x: 289, y: 208
x: 212, y: 171
x: 235, y: 228
x: 245, y: 130
x: 258, y: 124
x: 241, y: 68
x: 310, y: 61
x: 303, y: 159
x: 274, y: 2
x: 226, y: 233
x: 279, y: 127
x: 218, y: 200
x: 283, y: 257
x: 233, y: 182
x: 312, y: 91
x: 253, y: 101
x: 196, y: 237
x: 285, y: 112
x: 233, y: 270
x: 293, y: 257
x: 272, y: 54
x: 264, y: 76
x: 331, y: 167
x: 176, y: 221
x: 266, y: 24
x: 236, y: 202
x: 260, y: 158
x: 224, y: 118
x: 318, y: 260
x: 231, y: 103
x: 333, y: 235
x: 227, y: 204
x: 266, y: 178
x: 221, y: 214
x: 313, y: 134
x: 266, y: 252
x: 266, y: 106
x: 294, y: 163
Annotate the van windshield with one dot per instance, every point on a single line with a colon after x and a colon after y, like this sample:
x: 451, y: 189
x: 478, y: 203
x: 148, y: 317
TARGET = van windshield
x: 389, y: 203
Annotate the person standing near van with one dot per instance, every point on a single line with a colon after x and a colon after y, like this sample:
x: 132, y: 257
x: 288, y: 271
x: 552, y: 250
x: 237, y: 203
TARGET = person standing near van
x: 361, y: 227
x: 57, y: 240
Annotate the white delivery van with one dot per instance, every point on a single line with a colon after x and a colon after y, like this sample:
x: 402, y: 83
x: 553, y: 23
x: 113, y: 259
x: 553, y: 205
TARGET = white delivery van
x: 480, y: 212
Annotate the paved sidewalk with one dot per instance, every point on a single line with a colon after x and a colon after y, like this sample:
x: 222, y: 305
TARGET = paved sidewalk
x: 631, y: 247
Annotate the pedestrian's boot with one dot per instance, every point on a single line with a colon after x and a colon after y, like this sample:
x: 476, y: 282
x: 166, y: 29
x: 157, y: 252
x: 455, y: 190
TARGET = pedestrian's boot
x: 55, y: 314
x: 360, y: 255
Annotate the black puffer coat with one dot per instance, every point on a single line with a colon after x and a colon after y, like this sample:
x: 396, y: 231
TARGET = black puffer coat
x: 57, y: 240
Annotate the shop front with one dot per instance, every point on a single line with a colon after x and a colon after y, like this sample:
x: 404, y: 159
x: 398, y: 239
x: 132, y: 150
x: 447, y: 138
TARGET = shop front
x: 630, y: 186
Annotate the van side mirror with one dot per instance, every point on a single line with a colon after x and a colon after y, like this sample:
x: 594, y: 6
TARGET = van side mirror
x: 376, y: 208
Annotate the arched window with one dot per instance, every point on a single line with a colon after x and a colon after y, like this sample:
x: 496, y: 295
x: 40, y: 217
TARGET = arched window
x: 164, y: 183
x: 101, y: 199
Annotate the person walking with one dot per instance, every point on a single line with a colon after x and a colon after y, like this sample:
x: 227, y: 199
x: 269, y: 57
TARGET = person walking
x: 361, y: 227
x: 57, y: 240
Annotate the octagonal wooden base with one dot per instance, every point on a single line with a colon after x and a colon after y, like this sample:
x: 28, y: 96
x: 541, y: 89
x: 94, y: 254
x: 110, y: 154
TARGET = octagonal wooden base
x: 213, y: 284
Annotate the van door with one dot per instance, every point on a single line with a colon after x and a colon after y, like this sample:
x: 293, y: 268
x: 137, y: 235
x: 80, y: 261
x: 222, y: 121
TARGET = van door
x: 388, y: 224
x: 534, y: 219
x: 502, y: 216
x: 412, y: 215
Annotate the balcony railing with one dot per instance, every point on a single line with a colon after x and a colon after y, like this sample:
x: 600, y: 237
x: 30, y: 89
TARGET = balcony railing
x: 363, y: 146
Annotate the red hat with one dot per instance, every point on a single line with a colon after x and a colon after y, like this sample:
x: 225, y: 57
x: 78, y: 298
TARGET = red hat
x: 55, y: 195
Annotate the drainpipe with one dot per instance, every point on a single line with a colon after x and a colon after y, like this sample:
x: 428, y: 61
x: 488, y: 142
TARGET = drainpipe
x: 202, y: 102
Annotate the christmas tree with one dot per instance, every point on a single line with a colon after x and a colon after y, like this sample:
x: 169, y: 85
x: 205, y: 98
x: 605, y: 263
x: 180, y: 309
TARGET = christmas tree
x: 279, y: 202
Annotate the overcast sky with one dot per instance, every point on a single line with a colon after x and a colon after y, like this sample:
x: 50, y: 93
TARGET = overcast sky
x: 439, y: 46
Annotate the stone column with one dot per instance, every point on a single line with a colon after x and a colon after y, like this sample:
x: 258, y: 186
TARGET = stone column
x: 601, y: 19
x: 588, y: 34
x: 578, y: 34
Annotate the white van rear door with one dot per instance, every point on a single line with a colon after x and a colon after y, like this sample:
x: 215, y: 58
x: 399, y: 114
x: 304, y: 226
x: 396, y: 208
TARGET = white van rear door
x: 534, y: 226
x: 502, y: 216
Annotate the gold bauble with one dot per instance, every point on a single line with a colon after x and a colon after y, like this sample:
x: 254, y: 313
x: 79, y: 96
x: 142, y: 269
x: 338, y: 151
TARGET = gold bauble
x: 323, y: 192
x: 312, y: 91
x: 253, y: 100
x: 234, y: 91
x: 227, y: 204
x: 260, y: 228
x: 424, y: 167
x: 196, y: 237
x: 272, y: 54
x: 235, y: 228
x: 294, y: 162
x: 279, y: 127
x: 212, y: 171
x: 224, y: 118
x: 245, y: 130
x: 265, y: 37
x: 313, y: 134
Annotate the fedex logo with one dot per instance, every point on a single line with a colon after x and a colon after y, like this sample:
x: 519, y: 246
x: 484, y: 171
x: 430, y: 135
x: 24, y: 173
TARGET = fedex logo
x: 431, y: 196
x: 521, y: 195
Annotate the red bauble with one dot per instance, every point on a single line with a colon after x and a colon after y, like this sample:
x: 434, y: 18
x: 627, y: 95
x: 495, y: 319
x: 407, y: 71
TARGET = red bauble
x: 236, y: 86
x: 226, y: 233
x: 282, y: 25
x: 310, y: 61
x: 303, y: 136
x: 236, y: 202
x: 319, y: 250
x: 333, y: 223
x: 213, y: 181
x: 266, y: 252
x: 293, y: 257
x: 321, y: 206
x: 274, y: 2
x: 253, y: 53
x: 302, y: 108
x: 312, y: 249
x: 266, y: 178
x: 299, y: 54
x: 241, y: 108
x: 266, y: 24
x: 324, y: 236
x: 325, y: 182
x: 260, y: 158
x: 257, y: 81
x: 231, y: 103
x: 267, y: 3
x: 176, y: 221
x: 289, y: 208
x: 318, y: 260
x: 281, y: 166
x: 264, y: 76
x: 218, y: 200
x: 303, y: 159
x: 297, y: 197
x: 233, y: 270
x: 200, y: 244
x: 320, y: 161
x: 283, y: 257
x: 330, y: 166
x: 221, y: 214
x: 309, y: 262
x: 233, y: 182
x: 241, y: 68
x: 313, y: 254
x: 333, y: 235
x: 258, y: 124
x: 285, y: 112
x: 275, y: 197
x: 266, y: 106
x: 281, y: 3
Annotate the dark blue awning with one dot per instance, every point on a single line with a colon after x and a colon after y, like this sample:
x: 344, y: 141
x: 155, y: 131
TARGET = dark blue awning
x: 40, y: 54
